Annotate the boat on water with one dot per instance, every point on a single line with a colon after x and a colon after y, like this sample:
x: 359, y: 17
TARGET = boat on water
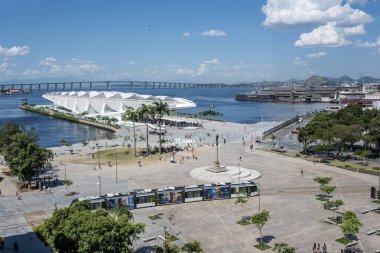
x: 298, y: 94
x: 14, y: 92
x: 333, y: 108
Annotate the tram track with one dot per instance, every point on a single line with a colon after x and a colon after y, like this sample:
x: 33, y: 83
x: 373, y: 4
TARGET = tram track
x: 273, y: 191
x: 308, y: 190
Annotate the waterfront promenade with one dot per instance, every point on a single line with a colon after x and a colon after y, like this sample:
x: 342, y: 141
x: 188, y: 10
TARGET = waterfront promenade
x: 297, y: 218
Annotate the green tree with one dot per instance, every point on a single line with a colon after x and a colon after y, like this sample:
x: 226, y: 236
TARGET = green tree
x: 350, y: 224
x: 259, y: 220
x: 306, y: 136
x: 84, y: 143
x: 242, y: 199
x: 161, y: 109
x: 192, y: 247
x: 111, y: 136
x: 145, y: 112
x: 67, y: 183
x: 6, y: 132
x: 338, y: 203
x: 283, y: 248
x: 374, y: 131
x: 327, y: 189
x: 322, y: 180
x: 133, y: 115
x: 364, y: 154
x: 378, y: 194
x: 273, y: 138
x: 78, y: 229
x: 24, y: 156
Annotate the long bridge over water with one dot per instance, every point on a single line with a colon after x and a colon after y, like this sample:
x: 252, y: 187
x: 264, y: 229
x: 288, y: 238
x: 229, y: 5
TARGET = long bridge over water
x: 89, y: 85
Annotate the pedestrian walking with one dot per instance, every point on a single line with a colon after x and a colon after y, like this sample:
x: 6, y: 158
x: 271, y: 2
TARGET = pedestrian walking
x: 240, y: 158
x: 301, y: 172
x: 324, y: 248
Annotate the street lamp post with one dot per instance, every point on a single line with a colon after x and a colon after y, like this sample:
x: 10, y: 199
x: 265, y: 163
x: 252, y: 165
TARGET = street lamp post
x: 65, y: 171
x: 116, y: 167
x: 259, y: 189
x: 239, y: 172
x: 100, y: 186
x: 97, y: 145
x: 165, y: 231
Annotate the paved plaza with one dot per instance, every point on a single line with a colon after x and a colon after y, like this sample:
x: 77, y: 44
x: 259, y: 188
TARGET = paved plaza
x: 297, y: 218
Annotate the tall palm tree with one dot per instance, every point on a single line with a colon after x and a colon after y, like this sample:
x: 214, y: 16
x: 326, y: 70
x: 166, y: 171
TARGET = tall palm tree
x: 145, y: 113
x: 161, y: 109
x: 132, y: 114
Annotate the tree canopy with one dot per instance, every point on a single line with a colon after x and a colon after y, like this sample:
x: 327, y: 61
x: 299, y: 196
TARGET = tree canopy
x: 337, y: 131
x: 21, y: 151
x: 260, y: 219
x: 78, y: 229
x: 350, y: 224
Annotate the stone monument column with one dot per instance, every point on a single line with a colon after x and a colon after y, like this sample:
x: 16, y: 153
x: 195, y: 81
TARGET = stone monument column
x: 217, y: 168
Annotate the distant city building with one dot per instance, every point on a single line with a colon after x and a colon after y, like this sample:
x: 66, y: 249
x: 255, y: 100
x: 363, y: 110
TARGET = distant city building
x: 109, y: 103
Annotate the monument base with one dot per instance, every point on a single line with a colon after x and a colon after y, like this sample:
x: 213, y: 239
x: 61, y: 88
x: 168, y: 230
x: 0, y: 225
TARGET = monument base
x: 217, y: 168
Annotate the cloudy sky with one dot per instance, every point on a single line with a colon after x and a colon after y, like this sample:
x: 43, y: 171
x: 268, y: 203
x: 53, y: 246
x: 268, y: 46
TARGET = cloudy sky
x: 189, y: 40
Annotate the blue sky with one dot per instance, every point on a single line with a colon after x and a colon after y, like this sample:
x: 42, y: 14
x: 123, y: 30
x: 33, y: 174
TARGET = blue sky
x: 194, y: 40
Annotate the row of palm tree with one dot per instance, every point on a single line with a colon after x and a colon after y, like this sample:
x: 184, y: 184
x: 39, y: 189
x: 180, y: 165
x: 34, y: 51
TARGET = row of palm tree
x: 153, y: 112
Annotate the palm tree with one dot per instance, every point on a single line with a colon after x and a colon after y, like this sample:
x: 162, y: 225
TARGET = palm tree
x: 161, y: 109
x: 145, y: 112
x: 132, y: 114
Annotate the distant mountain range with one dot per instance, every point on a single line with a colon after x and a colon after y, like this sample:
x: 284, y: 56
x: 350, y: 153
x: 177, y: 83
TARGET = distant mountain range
x: 314, y: 81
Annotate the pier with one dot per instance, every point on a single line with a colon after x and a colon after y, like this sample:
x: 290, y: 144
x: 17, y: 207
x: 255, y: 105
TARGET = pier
x: 89, y: 85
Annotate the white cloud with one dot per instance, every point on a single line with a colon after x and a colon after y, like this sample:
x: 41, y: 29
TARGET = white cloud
x: 354, y: 30
x: 184, y: 71
x: 14, y: 51
x: 6, y: 68
x: 186, y: 34
x: 75, y: 66
x: 299, y: 62
x: 212, y: 61
x: 301, y: 12
x: 30, y: 72
x: 327, y: 35
x: 201, y: 70
x: 317, y: 55
x: 368, y: 43
x: 333, y: 20
x: 213, y: 33
x: 131, y: 62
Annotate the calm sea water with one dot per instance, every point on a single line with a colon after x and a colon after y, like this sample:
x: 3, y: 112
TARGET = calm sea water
x: 52, y: 131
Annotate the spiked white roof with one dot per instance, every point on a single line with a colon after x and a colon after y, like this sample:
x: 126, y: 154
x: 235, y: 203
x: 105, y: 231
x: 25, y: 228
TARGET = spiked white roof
x: 103, y: 102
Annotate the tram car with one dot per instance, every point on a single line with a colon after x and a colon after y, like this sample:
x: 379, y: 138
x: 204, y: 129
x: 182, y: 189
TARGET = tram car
x: 172, y: 195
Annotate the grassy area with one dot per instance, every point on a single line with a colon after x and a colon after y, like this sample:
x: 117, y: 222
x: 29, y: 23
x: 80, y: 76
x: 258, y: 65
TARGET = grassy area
x: 378, y: 212
x: 262, y: 246
x: 343, y: 240
x: 377, y: 201
x: 154, y: 217
x: 243, y: 223
x: 322, y: 199
x: 70, y: 194
x: 124, y: 156
x: 378, y: 234
x: 171, y: 238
